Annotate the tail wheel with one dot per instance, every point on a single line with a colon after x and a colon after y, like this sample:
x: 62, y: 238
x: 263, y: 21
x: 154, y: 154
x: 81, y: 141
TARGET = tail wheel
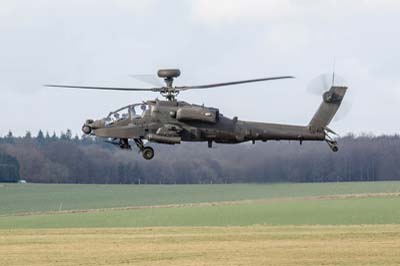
x: 148, y: 153
x: 335, y: 148
x: 333, y: 145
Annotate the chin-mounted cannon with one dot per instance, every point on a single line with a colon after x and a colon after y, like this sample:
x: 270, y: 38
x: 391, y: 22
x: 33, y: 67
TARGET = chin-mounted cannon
x: 91, y: 124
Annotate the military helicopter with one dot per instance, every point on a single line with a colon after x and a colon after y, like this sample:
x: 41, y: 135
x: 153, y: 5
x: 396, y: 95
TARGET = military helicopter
x: 171, y: 121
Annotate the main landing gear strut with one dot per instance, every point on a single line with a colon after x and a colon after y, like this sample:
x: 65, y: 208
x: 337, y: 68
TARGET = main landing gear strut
x: 147, y: 152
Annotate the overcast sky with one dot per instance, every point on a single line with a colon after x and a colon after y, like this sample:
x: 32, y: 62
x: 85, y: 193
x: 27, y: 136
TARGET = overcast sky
x: 102, y: 42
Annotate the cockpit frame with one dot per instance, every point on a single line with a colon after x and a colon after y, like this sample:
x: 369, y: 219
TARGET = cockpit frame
x: 131, y: 113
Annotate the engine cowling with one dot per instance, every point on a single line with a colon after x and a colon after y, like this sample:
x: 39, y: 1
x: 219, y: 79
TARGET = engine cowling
x: 197, y: 114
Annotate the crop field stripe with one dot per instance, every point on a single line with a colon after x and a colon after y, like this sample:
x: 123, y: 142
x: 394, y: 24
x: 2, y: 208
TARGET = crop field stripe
x: 217, y: 203
x: 346, y: 211
x: 26, y: 198
x: 195, y: 246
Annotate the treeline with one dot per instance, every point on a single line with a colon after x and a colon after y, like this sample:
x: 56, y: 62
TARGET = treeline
x: 49, y: 158
x: 9, y: 168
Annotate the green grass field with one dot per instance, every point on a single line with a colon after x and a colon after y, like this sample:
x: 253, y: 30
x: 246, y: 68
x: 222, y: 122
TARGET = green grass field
x: 242, y: 204
x: 18, y: 198
x: 350, y: 211
x: 246, y: 224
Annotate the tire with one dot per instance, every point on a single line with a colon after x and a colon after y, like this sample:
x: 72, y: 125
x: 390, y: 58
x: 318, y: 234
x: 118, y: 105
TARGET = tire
x: 335, y: 148
x: 86, y: 129
x: 148, y: 153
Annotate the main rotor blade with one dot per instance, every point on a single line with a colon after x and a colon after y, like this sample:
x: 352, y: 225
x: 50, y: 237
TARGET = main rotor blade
x: 149, y: 79
x: 231, y: 83
x: 102, y: 88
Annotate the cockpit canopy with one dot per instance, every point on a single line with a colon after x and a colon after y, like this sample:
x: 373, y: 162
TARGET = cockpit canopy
x: 132, y: 111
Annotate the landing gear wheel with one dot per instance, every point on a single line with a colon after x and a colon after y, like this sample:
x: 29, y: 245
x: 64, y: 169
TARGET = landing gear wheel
x: 333, y: 145
x: 148, y: 153
x: 86, y: 129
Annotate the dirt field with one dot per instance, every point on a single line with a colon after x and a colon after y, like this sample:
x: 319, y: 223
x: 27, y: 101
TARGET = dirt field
x: 249, y: 245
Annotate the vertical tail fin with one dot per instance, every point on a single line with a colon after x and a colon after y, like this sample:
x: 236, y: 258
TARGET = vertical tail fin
x: 328, y: 108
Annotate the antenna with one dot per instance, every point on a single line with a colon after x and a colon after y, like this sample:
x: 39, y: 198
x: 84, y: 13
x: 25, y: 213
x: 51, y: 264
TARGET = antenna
x: 333, y: 71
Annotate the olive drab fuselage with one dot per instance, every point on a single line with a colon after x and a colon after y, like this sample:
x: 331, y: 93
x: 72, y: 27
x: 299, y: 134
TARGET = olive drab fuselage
x: 172, y: 121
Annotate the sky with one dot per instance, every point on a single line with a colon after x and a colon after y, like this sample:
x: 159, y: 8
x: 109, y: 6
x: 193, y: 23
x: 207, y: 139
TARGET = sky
x: 102, y: 43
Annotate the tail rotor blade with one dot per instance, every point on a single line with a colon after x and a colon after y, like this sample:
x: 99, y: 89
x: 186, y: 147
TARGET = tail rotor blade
x: 323, y: 83
x: 344, y: 110
x: 319, y: 85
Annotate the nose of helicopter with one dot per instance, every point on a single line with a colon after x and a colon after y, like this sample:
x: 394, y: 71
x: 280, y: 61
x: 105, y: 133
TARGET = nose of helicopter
x: 91, y: 125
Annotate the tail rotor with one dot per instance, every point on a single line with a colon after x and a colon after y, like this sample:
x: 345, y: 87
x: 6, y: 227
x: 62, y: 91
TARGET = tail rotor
x: 323, y: 83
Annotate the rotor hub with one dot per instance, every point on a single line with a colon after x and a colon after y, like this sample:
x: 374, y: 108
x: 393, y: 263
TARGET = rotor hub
x: 168, y: 75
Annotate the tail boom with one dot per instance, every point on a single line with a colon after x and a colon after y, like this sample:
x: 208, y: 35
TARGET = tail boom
x: 268, y: 131
x: 316, y: 130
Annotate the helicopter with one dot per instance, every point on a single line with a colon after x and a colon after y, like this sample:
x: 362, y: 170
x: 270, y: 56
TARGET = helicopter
x: 171, y: 121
